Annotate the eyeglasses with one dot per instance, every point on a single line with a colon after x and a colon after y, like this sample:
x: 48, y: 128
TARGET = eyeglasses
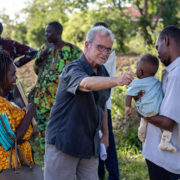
x: 101, y: 48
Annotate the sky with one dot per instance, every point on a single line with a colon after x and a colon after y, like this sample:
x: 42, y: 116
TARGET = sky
x: 12, y: 6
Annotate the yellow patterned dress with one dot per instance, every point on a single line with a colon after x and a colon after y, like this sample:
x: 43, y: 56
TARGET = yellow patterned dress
x: 15, y: 116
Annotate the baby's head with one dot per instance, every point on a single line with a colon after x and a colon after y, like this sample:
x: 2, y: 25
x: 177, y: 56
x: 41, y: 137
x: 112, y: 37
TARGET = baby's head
x: 147, y: 66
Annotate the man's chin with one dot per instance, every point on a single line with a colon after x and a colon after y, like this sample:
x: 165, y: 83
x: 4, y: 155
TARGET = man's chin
x: 165, y: 62
x: 101, y: 62
x: 49, y: 40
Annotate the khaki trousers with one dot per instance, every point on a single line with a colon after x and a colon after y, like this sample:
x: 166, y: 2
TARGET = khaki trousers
x: 61, y: 166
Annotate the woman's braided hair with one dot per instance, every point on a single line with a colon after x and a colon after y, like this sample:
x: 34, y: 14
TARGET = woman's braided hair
x: 5, y: 62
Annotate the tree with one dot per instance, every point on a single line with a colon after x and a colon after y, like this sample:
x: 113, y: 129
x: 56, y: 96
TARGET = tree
x: 19, y: 33
x: 39, y: 14
x: 151, y: 11
x: 170, y: 13
x: 82, y: 5
x: 77, y: 17
x: 7, y: 25
x: 83, y: 21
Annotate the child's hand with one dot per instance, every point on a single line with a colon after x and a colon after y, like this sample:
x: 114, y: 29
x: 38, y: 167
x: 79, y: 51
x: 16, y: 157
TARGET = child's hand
x: 44, y: 53
x: 128, y: 111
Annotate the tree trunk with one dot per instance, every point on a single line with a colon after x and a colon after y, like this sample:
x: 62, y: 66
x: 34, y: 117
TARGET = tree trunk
x: 146, y: 9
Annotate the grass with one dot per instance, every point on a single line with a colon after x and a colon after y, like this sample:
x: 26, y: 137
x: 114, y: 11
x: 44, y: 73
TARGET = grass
x: 132, y: 165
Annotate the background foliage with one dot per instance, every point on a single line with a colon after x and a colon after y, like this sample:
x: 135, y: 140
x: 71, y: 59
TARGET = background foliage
x: 77, y: 16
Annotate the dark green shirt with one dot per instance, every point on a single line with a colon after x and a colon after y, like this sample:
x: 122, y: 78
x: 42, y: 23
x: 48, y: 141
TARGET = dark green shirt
x: 76, y: 117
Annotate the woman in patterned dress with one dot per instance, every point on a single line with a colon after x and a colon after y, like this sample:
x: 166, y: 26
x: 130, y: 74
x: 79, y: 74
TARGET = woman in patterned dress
x: 49, y: 62
x: 19, y: 119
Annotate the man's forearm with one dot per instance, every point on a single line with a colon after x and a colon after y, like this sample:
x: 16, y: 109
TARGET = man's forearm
x: 161, y: 122
x: 96, y: 83
x: 23, y: 126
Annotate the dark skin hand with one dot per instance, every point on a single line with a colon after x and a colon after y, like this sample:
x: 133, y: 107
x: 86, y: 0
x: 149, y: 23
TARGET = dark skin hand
x: 44, y: 52
x: 157, y: 120
x: 161, y: 122
x: 23, y: 126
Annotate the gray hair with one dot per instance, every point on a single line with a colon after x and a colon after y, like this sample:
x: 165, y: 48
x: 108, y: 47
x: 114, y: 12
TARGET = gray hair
x: 94, y: 30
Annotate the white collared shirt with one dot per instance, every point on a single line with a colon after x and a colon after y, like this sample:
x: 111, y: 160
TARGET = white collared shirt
x: 170, y: 108
x: 110, y: 66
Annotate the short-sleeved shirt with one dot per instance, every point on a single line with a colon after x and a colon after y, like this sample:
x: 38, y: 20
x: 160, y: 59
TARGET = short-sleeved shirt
x: 76, y: 117
x: 48, y: 75
x: 15, y: 50
x: 170, y: 108
x: 150, y: 102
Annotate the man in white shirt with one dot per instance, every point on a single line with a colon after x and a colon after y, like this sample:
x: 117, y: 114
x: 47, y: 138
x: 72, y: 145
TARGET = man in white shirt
x: 163, y: 165
x: 111, y: 162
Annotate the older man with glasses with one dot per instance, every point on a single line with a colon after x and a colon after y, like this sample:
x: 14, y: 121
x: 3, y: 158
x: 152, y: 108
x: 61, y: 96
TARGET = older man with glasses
x: 79, y: 112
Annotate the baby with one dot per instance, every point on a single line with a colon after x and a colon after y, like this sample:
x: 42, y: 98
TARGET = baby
x: 149, y: 104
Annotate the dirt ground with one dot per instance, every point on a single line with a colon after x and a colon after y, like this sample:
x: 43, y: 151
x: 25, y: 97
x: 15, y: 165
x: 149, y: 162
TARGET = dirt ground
x: 124, y: 60
x: 28, y: 78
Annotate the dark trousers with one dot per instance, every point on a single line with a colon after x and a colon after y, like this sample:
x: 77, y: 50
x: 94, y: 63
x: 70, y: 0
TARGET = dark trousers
x: 111, y: 162
x: 158, y: 173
